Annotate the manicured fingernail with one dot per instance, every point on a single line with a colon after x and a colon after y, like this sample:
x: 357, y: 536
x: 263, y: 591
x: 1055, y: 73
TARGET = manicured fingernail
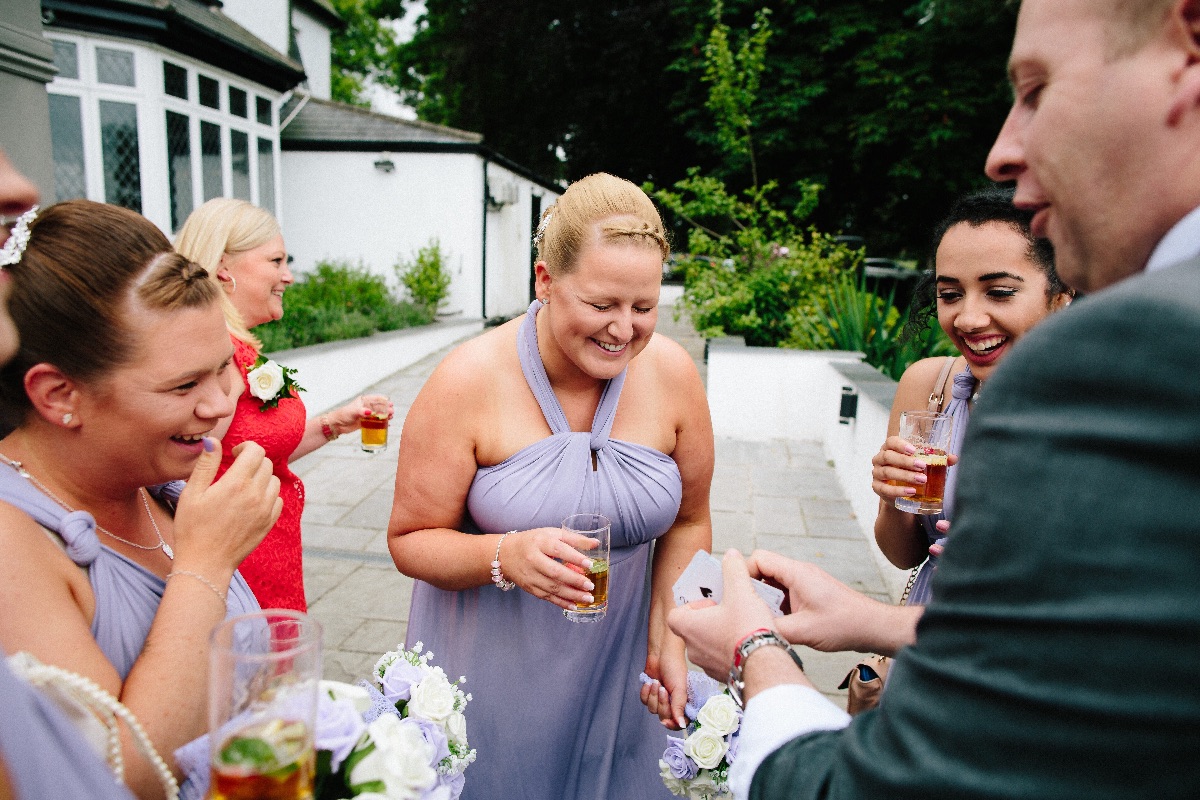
x: 587, y: 598
x: 909, y: 449
x: 920, y: 479
x: 208, y: 444
x: 588, y: 565
x: 590, y: 586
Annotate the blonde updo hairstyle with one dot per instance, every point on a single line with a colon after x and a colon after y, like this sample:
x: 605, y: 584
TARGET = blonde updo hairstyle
x: 226, y: 226
x: 623, y: 210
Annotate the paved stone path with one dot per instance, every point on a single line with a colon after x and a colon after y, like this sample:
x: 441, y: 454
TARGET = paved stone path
x: 780, y: 495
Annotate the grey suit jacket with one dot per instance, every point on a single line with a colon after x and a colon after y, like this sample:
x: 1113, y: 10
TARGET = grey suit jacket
x: 1059, y: 656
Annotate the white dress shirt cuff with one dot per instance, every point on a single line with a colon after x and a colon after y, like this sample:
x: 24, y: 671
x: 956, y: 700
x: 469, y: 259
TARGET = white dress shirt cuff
x: 773, y: 718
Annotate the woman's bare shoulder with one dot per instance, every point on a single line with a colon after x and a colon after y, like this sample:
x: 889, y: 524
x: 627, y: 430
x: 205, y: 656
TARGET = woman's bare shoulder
x: 472, y: 364
x: 916, y: 384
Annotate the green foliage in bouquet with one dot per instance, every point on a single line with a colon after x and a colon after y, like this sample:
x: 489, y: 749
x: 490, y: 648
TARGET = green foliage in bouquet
x: 426, y: 277
x: 339, y: 300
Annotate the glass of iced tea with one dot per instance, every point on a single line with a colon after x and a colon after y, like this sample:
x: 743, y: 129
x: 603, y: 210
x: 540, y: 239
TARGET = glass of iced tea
x: 262, y: 705
x: 594, y: 526
x: 374, y: 433
x: 929, y: 432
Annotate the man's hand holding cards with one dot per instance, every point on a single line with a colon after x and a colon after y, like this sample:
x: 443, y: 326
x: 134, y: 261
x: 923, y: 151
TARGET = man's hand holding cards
x: 702, y: 580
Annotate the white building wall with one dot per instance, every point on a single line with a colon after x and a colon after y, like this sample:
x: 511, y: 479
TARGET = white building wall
x: 266, y: 19
x: 314, y: 40
x: 339, y: 206
x: 764, y: 393
x: 510, y: 257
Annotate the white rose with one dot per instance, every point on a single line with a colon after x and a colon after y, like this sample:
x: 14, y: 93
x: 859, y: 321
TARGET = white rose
x: 432, y: 698
x: 705, y: 747
x: 674, y: 785
x: 345, y: 691
x: 703, y: 788
x: 720, y: 714
x: 400, y: 759
x: 456, y: 729
x: 265, y: 381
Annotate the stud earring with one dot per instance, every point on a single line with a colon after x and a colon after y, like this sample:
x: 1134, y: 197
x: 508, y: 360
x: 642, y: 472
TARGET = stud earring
x: 546, y: 302
x: 66, y: 418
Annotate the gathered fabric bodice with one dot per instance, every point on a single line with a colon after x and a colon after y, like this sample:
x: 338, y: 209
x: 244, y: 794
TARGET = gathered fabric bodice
x: 637, y: 487
x: 127, y: 594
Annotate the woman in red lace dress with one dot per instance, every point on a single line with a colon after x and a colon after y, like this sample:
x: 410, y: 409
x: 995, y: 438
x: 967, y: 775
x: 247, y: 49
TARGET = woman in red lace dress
x: 242, y: 246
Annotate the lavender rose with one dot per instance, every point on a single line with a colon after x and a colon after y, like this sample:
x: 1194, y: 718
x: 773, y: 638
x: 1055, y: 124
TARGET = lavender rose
x: 399, y: 679
x: 339, y: 727
x: 677, y: 761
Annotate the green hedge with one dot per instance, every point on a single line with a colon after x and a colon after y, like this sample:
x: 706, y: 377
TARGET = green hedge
x: 339, y: 300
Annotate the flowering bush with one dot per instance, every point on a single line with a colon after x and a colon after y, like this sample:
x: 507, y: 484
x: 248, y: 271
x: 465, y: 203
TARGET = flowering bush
x: 697, y: 766
x: 402, y: 737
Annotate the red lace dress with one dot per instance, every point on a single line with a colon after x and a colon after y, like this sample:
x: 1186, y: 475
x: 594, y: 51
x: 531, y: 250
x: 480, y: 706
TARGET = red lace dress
x: 274, y: 569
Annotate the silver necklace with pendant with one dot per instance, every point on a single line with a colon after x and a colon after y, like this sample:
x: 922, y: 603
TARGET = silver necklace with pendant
x: 162, y: 544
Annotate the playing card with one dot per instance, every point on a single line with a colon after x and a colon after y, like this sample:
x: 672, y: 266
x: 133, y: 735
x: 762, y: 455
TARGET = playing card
x: 702, y: 580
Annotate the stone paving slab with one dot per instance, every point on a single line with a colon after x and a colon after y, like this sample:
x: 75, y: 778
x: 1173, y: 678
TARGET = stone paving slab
x: 780, y: 495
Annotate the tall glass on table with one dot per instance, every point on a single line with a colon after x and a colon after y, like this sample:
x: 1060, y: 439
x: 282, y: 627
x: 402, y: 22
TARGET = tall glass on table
x: 262, y: 705
x: 597, y: 527
x: 929, y: 433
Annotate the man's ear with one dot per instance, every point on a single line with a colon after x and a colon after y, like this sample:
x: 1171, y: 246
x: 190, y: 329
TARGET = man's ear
x: 1185, y: 21
x: 55, y: 396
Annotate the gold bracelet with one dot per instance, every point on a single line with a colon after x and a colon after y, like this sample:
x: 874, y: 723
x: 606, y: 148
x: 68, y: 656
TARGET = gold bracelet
x: 220, y: 595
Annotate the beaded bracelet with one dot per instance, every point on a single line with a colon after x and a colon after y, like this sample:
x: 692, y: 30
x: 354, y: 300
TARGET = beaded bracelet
x: 327, y: 429
x: 220, y: 595
x: 497, y: 574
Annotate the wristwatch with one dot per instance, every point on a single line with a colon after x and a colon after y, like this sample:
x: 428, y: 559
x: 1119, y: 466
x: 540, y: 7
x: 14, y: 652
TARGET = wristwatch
x: 753, y: 641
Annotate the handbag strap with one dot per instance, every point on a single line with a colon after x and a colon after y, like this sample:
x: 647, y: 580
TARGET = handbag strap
x: 912, y: 578
x: 937, y: 395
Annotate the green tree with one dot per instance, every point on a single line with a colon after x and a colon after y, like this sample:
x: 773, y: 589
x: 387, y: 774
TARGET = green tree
x: 365, y: 49
x: 566, y: 88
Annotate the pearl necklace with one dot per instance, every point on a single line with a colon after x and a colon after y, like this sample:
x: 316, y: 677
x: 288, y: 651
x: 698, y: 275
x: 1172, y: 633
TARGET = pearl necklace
x: 162, y: 544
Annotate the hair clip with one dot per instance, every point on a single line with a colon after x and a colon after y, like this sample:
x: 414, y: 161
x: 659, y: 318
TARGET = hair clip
x: 541, y: 228
x: 18, y: 238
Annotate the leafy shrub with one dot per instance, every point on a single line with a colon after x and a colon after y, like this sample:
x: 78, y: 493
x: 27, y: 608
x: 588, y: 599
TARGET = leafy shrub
x: 338, y: 301
x: 850, y: 317
x: 426, y: 277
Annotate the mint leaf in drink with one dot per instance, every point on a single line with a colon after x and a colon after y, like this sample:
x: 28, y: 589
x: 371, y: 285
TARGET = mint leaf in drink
x: 248, y: 751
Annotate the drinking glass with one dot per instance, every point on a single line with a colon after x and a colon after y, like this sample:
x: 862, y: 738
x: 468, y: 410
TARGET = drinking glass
x: 595, y: 526
x: 374, y: 433
x: 262, y: 705
x: 929, y: 433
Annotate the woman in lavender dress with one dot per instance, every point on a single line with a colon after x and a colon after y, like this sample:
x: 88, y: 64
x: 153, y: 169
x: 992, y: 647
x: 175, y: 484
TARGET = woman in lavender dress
x: 991, y: 282
x: 574, y: 407
x: 118, y: 380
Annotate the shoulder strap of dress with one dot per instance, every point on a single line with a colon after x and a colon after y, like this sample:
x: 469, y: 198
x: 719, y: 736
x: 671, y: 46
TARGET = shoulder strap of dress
x: 937, y: 395
x: 606, y: 410
x: 535, y: 372
x: 76, y: 528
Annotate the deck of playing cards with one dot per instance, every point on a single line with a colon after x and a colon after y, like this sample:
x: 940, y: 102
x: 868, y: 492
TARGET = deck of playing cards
x: 702, y: 581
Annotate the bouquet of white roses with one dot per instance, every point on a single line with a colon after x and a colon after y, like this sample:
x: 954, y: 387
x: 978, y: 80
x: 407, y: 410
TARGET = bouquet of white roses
x: 402, y: 737
x: 697, y: 766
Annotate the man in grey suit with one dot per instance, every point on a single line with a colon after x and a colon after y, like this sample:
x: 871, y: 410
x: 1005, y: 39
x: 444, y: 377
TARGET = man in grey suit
x: 1057, y: 659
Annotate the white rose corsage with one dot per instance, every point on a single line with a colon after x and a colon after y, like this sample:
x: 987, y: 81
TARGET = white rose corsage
x: 271, y: 382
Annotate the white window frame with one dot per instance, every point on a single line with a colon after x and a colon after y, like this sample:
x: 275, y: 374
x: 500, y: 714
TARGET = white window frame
x: 152, y: 102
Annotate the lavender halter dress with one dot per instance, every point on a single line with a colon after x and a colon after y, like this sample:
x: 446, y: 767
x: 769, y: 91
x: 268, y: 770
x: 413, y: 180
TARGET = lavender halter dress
x: 958, y: 408
x: 127, y: 594
x: 44, y: 755
x: 555, y: 713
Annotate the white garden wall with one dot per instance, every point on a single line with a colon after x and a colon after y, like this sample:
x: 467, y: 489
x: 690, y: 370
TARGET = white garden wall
x: 767, y: 393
